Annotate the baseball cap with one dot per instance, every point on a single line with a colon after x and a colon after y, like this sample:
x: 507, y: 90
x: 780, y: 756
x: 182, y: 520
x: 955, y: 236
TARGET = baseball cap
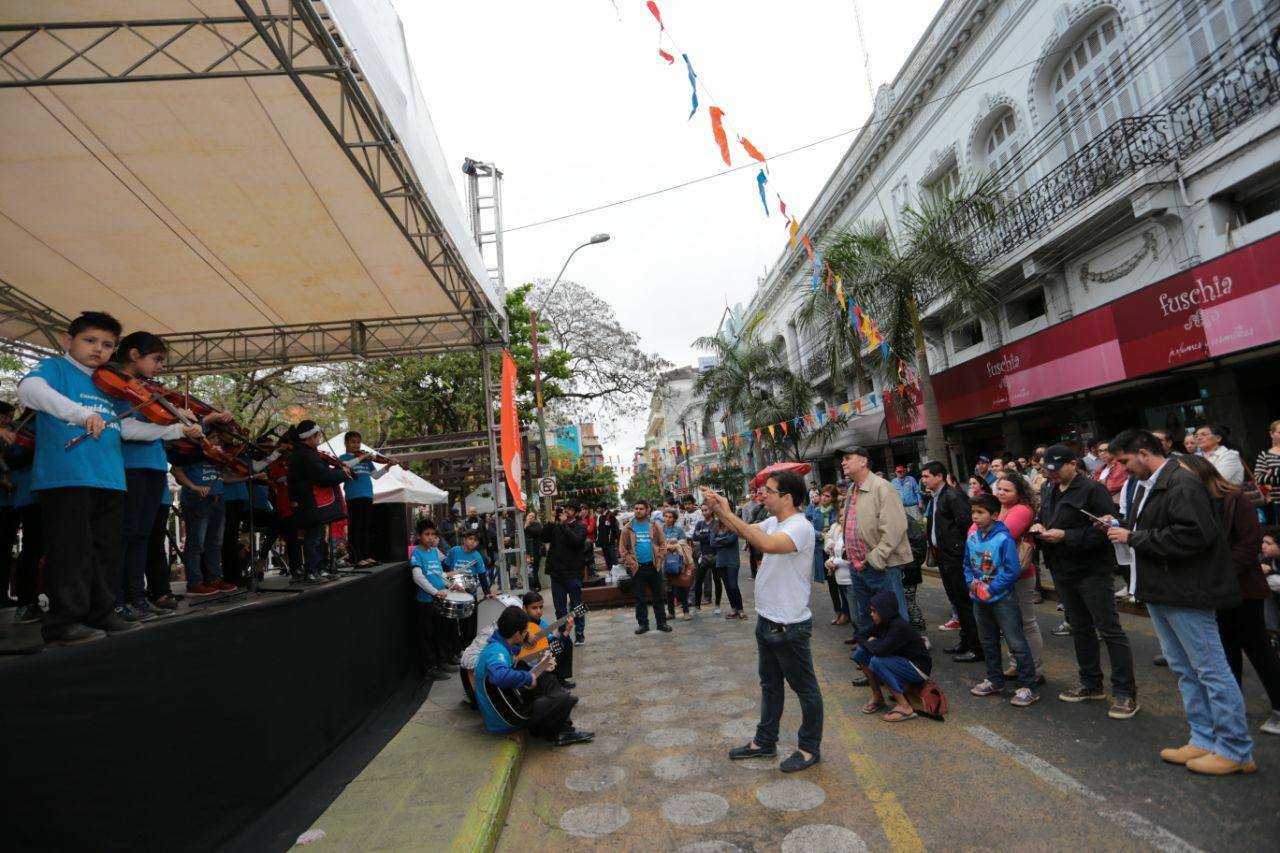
x: 902, y: 468
x: 984, y: 458
x: 852, y: 450
x: 1057, y: 456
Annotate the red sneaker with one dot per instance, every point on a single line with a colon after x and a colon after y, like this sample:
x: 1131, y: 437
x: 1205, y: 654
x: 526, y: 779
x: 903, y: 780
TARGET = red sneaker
x: 222, y: 585
x: 201, y: 589
x: 950, y: 625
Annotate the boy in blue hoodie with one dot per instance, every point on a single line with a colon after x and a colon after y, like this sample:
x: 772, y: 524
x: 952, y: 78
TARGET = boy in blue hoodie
x: 892, y: 654
x: 991, y: 568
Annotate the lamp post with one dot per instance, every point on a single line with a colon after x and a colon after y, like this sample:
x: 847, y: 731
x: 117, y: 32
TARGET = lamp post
x: 537, y: 365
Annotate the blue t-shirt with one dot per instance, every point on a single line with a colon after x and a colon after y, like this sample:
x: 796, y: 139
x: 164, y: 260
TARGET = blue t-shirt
x: 362, y: 485
x: 644, y: 543
x: 144, y: 454
x: 93, y: 463
x: 202, y: 474
x: 262, y: 498
x: 432, y: 569
x: 458, y: 560
x: 236, y: 491
x: 22, y: 494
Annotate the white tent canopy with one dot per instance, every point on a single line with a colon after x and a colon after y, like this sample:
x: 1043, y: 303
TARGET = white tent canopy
x: 391, y: 483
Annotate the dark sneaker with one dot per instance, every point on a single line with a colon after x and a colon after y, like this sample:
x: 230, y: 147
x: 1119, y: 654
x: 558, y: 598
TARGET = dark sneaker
x: 967, y: 657
x: 643, y: 629
x: 113, y: 625
x: 798, y: 762
x: 986, y: 688
x: 128, y: 614
x: 750, y: 751
x: 581, y: 641
x: 1083, y: 694
x: 859, y: 680
x: 665, y: 628
x: 448, y: 666
x: 1159, y: 660
x: 568, y: 683
x: 28, y: 613
x: 1023, y: 697
x: 1063, y: 630
x: 201, y: 589
x: 168, y: 601
x: 573, y: 736
x: 1123, y: 708
x: 75, y: 634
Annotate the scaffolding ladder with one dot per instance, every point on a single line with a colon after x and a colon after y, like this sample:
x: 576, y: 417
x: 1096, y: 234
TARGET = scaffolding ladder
x: 484, y: 204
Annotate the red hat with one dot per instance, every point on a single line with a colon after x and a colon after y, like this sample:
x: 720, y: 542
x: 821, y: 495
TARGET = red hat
x: 901, y: 468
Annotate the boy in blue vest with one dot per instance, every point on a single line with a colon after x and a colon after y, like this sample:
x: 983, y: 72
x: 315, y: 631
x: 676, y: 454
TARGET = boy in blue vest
x: 433, y: 636
x: 547, y: 704
x: 81, y: 489
x: 991, y: 568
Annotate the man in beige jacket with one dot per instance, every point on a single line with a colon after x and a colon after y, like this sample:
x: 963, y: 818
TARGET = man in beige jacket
x: 875, y: 536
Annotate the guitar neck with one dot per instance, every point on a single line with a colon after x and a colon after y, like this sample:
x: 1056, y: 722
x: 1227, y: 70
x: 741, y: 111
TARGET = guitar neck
x: 553, y: 627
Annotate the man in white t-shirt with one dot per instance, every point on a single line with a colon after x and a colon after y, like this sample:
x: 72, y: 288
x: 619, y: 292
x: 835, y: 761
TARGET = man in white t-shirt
x: 784, y: 622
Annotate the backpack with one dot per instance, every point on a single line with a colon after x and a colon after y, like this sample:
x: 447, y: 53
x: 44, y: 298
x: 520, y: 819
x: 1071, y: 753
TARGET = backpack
x: 928, y: 699
x: 919, y: 544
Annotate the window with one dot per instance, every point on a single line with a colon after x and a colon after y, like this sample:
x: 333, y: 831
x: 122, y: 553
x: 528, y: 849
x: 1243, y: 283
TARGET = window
x: 1091, y: 88
x: 945, y: 185
x: 966, y: 334
x: 1215, y: 29
x: 1003, y: 152
x: 1025, y: 308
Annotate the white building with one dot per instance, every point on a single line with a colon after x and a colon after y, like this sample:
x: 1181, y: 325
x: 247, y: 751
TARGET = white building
x: 1137, y: 140
x: 676, y: 421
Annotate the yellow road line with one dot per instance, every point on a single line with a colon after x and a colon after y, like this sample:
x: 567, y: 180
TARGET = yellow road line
x: 898, y: 828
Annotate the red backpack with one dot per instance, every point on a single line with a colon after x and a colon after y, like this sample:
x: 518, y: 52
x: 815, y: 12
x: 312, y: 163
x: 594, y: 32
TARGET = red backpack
x: 928, y: 699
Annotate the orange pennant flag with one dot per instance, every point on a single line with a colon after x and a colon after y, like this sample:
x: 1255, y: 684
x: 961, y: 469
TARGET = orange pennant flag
x: 784, y: 427
x: 753, y: 151
x: 808, y: 247
x: 717, y: 130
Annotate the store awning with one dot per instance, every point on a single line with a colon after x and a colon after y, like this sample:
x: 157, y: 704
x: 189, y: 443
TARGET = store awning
x: 257, y: 180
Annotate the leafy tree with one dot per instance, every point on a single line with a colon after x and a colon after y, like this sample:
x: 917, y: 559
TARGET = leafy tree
x: 933, y: 263
x: 645, y: 485
x: 577, y: 481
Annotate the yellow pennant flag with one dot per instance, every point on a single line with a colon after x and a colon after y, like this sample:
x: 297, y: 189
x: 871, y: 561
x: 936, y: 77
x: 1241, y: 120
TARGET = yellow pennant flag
x: 771, y: 433
x: 840, y: 294
x: 793, y: 229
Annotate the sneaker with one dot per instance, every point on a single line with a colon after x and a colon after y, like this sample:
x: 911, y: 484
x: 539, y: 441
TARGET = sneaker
x: 126, y: 613
x: 144, y: 611
x: 1037, y: 597
x: 28, y: 613
x: 643, y: 629
x: 986, y: 688
x: 715, y: 612
x: 223, y: 585
x: 168, y: 601
x: 950, y: 625
x: 201, y: 589
x: 113, y: 625
x: 1272, y: 725
x: 665, y: 628
x: 1083, y: 694
x: 1123, y: 708
x: 1060, y: 608
x: 1122, y: 593
x: 1023, y: 697
x: 686, y: 616
x: 75, y: 634
x: 1159, y: 660
x: 1063, y: 630
x: 581, y: 641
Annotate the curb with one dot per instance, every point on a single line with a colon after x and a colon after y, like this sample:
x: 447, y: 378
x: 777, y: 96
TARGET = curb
x: 488, y: 812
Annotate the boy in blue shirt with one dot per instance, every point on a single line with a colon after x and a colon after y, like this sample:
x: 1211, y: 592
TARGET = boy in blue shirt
x: 359, y: 494
x: 991, y: 568
x: 433, y: 635
x: 203, y: 513
x: 82, y: 488
x: 468, y: 558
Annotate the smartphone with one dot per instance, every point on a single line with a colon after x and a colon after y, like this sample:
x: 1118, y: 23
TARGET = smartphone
x: 1095, y: 518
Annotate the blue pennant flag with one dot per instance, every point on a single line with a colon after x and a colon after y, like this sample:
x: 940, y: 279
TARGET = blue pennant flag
x: 761, y: 180
x: 693, y: 82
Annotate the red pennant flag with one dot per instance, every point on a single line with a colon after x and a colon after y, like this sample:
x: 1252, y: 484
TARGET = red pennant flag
x: 757, y: 433
x: 752, y: 151
x: 857, y: 404
x: 782, y: 206
x: 717, y: 130
x: 784, y: 427
x: 653, y: 7
x: 671, y: 60
x: 808, y: 247
x: 831, y: 413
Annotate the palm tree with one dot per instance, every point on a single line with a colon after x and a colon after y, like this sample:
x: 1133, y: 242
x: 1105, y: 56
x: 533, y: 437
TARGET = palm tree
x: 933, y: 262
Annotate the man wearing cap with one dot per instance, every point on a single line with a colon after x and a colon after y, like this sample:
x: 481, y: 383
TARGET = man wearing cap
x: 983, y: 469
x: 1080, y: 558
x: 908, y: 490
x: 875, y: 536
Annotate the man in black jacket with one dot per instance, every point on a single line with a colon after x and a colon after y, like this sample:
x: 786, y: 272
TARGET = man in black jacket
x: 1182, y: 569
x: 566, y: 538
x: 948, y: 528
x: 314, y: 494
x: 1080, y: 559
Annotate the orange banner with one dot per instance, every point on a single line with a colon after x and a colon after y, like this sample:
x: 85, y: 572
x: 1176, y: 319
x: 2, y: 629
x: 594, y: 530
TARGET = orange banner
x: 511, y: 462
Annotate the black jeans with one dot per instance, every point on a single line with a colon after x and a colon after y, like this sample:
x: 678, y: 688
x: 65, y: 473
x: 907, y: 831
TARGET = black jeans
x: 8, y: 533
x: 783, y: 654
x: 434, y: 636
x: 647, y: 578
x: 731, y: 588
x: 359, y: 514
x: 707, y: 567
x: 144, y: 488
x: 234, y: 517
x: 838, y: 602
x: 550, y: 707
x: 28, y: 585
x: 674, y: 594
x: 1090, y: 606
x: 1243, y: 630
x: 958, y: 595
x: 158, y: 573
x: 82, y: 555
x: 313, y: 545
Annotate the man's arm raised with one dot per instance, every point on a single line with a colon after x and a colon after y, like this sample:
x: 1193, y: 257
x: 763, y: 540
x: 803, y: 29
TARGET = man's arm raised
x: 766, y: 543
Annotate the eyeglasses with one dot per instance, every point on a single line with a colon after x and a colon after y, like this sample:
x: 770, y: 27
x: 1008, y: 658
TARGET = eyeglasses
x: 770, y: 491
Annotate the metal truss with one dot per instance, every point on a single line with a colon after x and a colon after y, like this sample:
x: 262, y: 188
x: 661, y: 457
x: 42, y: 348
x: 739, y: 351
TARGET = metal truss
x: 23, y: 318
x: 294, y: 38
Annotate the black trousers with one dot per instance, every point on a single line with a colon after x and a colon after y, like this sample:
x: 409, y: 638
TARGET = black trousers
x: 650, y: 579
x: 8, y: 533
x: 433, y: 636
x: 698, y: 592
x: 82, y: 555
x: 550, y: 707
x: 28, y: 585
x: 158, y: 573
x: 1244, y: 632
x: 958, y: 595
x: 564, y: 660
x: 236, y: 514
x: 1090, y: 606
x: 359, y: 515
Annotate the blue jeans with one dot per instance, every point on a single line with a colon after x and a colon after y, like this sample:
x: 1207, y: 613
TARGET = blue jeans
x: 566, y: 594
x: 783, y: 654
x: 313, y: 548
x: 893, y: 671
x: 1210, y: 695
x: 1004, y: 616
x: 202, y: 552
x: 867, y: 583
x: 819, y: 561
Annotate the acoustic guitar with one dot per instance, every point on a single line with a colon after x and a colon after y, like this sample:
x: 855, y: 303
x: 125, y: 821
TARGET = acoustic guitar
x: 537, y: 642
x: 512, y: 704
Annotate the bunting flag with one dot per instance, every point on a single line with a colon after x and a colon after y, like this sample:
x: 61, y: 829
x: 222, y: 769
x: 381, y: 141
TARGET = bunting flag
x: 826, y: 279
x: 816, y: 258
x: 653, y: 7
x: 771, y: 432
x: 782, y: 208
x: 693, y: 83
x: 793, y: 228
x: 753, y: 151
x: 857, y: 404
x: 717, y: 130
x: 808, y: 246
x: 784, y: 427
x: 671, y: 60
x: 840, y: 295
x: 761, y: 180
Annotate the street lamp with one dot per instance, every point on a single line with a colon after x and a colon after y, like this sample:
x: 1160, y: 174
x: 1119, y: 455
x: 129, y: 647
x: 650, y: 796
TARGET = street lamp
x: 537, y: 365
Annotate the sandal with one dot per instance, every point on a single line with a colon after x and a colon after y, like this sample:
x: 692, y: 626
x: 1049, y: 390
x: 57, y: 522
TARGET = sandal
x: 873, y: 707
x: 896, y: 716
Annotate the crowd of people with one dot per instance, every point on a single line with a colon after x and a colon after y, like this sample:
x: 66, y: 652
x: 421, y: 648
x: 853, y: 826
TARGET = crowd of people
x: 85, y: 488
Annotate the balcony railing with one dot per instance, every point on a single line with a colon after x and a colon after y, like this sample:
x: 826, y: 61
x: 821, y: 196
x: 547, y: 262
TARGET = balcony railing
x: 1241, y: 90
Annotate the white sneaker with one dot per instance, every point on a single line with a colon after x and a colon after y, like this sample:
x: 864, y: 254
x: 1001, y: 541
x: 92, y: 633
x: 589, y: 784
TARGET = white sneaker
x: 716, y: 612
x: 1272, y: 725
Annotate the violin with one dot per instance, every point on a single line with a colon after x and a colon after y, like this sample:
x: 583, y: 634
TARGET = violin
x: 380, y: 459
x: 152, y: 401
x: 23, y: 435
x: 334, y: 462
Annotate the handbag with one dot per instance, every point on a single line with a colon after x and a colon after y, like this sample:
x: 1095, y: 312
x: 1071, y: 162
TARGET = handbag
x: 1252, y: 490
x: 673, y: 563
x: 1026, y: 555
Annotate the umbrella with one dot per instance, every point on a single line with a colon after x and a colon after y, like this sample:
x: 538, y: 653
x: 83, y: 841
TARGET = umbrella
x: 800, y: 468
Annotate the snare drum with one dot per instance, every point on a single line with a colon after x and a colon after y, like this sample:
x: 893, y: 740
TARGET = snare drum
x: 464, y: 581
x: 455, y: 605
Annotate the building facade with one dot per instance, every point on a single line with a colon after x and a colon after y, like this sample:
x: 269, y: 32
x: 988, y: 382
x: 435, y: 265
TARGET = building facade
x: 1133, y: 255
x: 675, y: 425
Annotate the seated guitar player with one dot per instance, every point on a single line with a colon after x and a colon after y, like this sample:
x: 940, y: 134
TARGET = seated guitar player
x: 534, y: 606
x: 512, y: 699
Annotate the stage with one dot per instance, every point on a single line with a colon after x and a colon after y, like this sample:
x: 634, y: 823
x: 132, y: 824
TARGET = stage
x: 179, y: 734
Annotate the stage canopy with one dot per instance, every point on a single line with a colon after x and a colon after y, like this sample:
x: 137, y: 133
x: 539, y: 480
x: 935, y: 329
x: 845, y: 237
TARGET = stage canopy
x: 258, y: 181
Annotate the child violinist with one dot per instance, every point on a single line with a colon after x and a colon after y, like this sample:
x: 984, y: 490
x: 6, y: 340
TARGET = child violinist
x: 82, y: 488
x: 359, y: 494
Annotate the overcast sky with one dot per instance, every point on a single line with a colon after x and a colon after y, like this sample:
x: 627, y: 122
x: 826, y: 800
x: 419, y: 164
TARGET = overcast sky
x: 572, y: 102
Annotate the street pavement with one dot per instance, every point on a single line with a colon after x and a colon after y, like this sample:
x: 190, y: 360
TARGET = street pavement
x: 1054, y: 776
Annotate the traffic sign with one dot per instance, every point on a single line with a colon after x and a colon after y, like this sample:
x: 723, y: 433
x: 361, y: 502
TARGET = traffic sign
x: 547, y: 486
